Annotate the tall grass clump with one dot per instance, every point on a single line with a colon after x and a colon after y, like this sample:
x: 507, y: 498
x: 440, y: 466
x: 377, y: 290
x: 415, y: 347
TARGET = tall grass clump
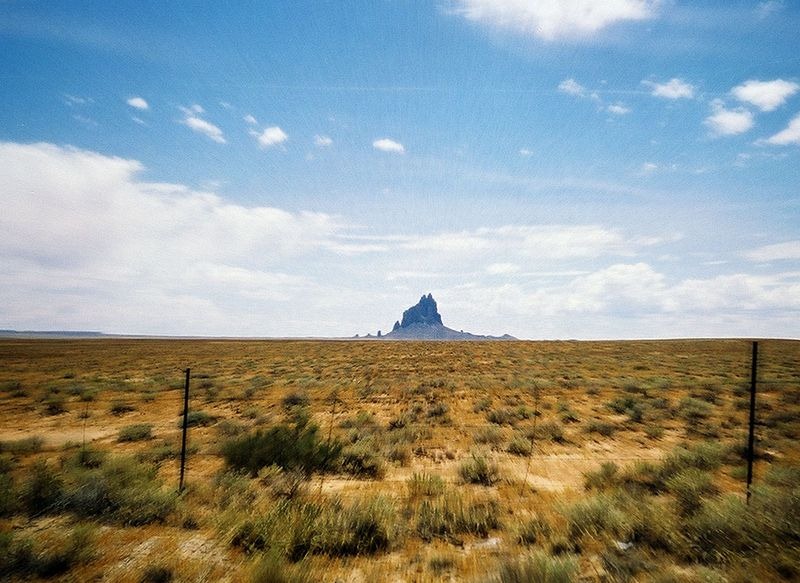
x: 424, y: 485
x: 136, y: 432
x: 539, y: 568
x: 451, y: 514
x: 290, y: 446
x: 478, y: 470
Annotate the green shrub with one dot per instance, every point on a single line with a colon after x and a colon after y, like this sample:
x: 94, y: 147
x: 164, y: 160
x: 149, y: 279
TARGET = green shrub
x: 136, y: 432
x: 42, y: 491
x: 603, y: 428
x: 19, y: 556
x: 689, y: 486
x: 122, y: 490
x: 488, y: 435
x: 520, y: 445
x: 24, y: 446
x: 295, y: 446
x: 451, y: 515
x: 198, y: 419
x: 603, y: 478
x: 399, y: 453
x: 121, y: 407
x: 8, y: 495
x: 295, y: 399
x: 55, y: 405
x: 546, y: 431
x: 594, y: 516
x: 694, y: 410
x: 533, y: 531
x: 273, y: 569
x: 363, y: 460
x: 538, y: 568
x: 361, y: 528
x: 422, y: 485
x: 478, y: 470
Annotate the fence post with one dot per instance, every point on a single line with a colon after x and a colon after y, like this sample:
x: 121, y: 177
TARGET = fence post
x: 751, y: 434
x: 185, y: 427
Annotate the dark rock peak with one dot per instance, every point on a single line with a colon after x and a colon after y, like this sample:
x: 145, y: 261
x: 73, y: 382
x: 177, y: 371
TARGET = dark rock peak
x: 425, y: 312
x: 396, y: 325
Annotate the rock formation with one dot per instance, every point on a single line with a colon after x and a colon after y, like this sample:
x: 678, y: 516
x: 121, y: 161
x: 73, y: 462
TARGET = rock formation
x: 423, y: 322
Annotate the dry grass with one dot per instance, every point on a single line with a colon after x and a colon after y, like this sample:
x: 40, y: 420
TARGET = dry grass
x: 480, y: 461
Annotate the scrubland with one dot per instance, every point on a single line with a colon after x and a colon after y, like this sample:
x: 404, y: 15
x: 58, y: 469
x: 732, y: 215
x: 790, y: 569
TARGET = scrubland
x: 397, y: 461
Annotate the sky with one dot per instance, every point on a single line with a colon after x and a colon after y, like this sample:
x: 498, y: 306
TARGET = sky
x: 550, y: 169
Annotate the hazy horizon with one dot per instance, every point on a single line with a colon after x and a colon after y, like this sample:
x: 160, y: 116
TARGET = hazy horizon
x: 549, y: 170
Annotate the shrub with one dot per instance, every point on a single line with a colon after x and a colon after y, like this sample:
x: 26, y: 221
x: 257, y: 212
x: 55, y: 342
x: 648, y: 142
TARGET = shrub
x: 361, y: 528
x: 438, y: 409
x: 594, y: 516
x: 547, y: 431
x: 156, y: 574
x: 18, y: 556
x: 136, y: 432
x: 694, y: 410
x: 689, y: 486
x: 451, y: 515
x: 533, y: 530
x: 198, y: 418
x: 8, y: 495
x: 121, y: 407
x: 296, y: 446
x: 363, y: 460
x: 488, y: 435
x: 538, y: 567
x: 399, y: 453
x: 26, y: 445
x: 122, y: 490
x: 273, y: 569
x: 520, y: 446
x: 482, y: 405
x: 603, y: 478
x: 424, y: 485
x: 42, y: 491
x: 603, y: 428
x: 55, y: 405
x: 477, y: 470
x: 295, y: 399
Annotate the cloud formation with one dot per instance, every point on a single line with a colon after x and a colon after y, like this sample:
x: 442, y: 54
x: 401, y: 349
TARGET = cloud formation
x: 322, y: 141
x: 572, y: 87
x: 387, y: 145
x: 554, y: 19
x: 194, y: 122
x: 673, y: 89
x: 765, y: 95
x: 785, y: 137
x: 269, y: 137
x: 728, y: 122
x: 788, y: 250
x: 138, y: 103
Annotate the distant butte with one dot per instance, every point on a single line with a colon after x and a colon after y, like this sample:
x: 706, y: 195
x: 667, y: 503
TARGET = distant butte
x: 423, y: 322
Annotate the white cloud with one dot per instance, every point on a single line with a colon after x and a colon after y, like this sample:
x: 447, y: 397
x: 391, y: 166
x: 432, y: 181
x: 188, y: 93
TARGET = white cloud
x: 768, y: 8
x: 250, y: 119
x: 270, y: 137
x: 673, y: 89
x: 138, y: 103
x: 87, y: 243
x: 545, y: 242
x: 572, y: 87
x: 618, y: 109
x: 790, y: 135
x: 138, y: 120
x: 502, y: 268
x: 73, y: 100
x: 728, y: 122
x: 765, y: 95
x: 322, y: 141
x: 387, y: 145
x: 526, y: 152
x: 553, y: 19
x: 648, y: 168
x: 197, y: 124
x: 775, y: 252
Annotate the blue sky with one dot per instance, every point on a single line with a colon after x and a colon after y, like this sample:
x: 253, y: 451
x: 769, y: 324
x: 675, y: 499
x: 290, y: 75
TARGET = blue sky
x: 549, y: 169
